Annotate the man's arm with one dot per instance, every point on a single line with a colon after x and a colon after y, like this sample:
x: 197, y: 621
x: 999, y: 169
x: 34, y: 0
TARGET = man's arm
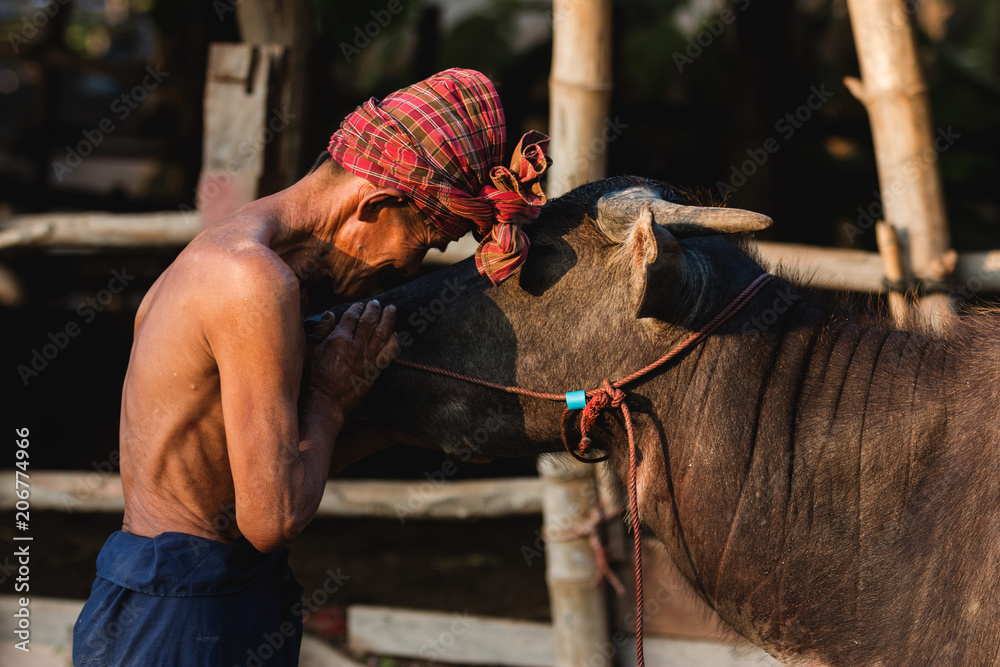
x: 279, y: 456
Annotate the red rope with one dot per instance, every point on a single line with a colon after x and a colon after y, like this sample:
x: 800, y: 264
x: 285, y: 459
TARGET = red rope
x: 483, y: 383
x: 610, y: 394
x: 633, y: 508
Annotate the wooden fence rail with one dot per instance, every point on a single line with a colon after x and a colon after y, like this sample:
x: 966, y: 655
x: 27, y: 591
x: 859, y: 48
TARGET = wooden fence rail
x: 828, y: 268
x: 418, y: 499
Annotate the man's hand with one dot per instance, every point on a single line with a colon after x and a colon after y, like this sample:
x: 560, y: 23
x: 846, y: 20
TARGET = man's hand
x: 350, y: 354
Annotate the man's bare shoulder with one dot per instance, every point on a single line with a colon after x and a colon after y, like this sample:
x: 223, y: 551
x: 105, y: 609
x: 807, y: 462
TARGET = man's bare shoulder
x: 223, y: 281
x: 239, y: 265
x: 220, y: 272
x: 241, y: 290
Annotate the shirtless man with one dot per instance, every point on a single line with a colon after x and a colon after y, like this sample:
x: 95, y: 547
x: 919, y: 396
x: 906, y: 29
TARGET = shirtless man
x: 225, y: 448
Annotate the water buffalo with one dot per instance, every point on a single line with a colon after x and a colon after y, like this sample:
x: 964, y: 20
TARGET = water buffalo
x: 827, y: 483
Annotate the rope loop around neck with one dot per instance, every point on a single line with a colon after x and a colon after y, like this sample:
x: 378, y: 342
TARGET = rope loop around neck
x: 610, y: 394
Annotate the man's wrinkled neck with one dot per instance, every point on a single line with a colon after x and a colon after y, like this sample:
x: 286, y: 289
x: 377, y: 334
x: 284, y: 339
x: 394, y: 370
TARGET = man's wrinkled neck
x: 308, y: 222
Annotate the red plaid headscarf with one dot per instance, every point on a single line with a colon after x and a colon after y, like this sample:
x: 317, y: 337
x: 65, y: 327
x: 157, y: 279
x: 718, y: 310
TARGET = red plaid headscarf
x: 440, y: 142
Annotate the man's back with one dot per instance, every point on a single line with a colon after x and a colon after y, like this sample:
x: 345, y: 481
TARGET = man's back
x: 175, y: 464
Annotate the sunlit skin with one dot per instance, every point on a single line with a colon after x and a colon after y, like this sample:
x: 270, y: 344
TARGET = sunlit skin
x: 219, y: 435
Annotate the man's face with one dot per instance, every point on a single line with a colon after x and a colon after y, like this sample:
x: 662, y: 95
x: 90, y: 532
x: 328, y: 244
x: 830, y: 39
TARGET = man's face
x: 393, y: 245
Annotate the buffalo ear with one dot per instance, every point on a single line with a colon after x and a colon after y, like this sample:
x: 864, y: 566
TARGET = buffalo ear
x: 657, y: 267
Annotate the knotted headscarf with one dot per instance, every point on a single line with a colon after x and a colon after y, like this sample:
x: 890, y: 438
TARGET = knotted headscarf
x: 441, y: 142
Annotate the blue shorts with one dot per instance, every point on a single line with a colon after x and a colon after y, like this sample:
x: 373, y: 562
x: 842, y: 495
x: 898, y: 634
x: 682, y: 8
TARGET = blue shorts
x: 183, y: 601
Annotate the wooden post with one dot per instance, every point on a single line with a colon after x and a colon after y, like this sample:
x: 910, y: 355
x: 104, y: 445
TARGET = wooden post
x: 892, y: 260
x: 579, y: 92
x: 288, y: 23
x: 579, y: 98
x: 579, y: 613
x: 241, y: 126
x: 893, y: 90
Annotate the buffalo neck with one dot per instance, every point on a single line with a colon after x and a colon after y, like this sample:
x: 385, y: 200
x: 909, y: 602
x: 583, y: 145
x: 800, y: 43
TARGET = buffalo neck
x: 800, y: 454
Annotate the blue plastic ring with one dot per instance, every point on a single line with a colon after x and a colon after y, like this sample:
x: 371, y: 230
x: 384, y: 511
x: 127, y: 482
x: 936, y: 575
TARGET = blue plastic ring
x: 576, y: 400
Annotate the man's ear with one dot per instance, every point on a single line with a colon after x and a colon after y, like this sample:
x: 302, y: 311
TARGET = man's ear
x: 375, y: 200
x: 657, y: 266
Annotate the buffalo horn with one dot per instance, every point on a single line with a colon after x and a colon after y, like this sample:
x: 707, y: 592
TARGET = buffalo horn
x: 617, y: 212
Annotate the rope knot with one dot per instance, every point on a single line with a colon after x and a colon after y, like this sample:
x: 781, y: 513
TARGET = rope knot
x: 616, y: 395
x: 607, y: 395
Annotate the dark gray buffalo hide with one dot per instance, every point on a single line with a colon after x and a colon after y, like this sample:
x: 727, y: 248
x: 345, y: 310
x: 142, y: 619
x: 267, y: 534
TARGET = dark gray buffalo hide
x: 829, y: 485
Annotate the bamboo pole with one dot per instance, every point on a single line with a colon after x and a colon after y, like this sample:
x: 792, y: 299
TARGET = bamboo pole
x: 893, y: 91
x: 888, y: 247
x: 579, y: 612
x: 579, y: 99
x: 826, y: 268
x: 579, y: 92
x: 98, y: 229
